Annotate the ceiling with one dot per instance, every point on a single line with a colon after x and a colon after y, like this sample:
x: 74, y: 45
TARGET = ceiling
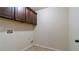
x: 34, y: 8
x: 37, y: 8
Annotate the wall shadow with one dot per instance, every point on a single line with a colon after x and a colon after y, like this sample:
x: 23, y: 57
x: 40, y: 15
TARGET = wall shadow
x: 15, y: 25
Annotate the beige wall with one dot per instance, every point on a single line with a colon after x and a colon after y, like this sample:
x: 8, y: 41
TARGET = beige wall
x: 52, y: 28
x: 74, y: 28
x: 51, y: 31
x: 19, y: 39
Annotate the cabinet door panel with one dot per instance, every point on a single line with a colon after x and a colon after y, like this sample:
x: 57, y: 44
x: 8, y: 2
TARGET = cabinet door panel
x: 30, y: 17
x: 20, y: 14
x: 26, y: 15
x: 7, y: 12
x: 1, y: 11
x: 35, y: 19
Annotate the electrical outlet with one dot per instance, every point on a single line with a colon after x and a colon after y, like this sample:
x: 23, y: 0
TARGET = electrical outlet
x: 9, y: 31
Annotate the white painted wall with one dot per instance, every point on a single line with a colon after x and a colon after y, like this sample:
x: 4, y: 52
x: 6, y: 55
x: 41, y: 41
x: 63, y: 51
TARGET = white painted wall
x: 19, y: 39
x: 74, y: 27
x: 52, y: 28
x: 51, y: 31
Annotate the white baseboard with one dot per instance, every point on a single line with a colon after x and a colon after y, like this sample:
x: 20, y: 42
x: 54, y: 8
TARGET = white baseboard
x: 27, y: 47
x: 53, y: 49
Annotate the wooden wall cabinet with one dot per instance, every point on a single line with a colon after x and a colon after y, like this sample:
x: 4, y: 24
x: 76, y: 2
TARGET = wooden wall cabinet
x: 22, y: 14
x: 7, y: 12
x: 31, y: 16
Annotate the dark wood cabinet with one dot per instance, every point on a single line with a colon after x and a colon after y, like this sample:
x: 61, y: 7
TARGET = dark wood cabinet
x: 32, y: 16
x: 35, y: 19
x: 22, y: 14
x: 7, y: 12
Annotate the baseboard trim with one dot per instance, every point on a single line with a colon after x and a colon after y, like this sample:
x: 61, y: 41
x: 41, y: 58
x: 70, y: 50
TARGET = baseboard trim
x: 53, y: 49
x: 27, y: 47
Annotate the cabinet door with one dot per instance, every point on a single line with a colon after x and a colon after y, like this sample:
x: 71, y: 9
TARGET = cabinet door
x: 35, y: 19
x: 32, y: 17
x: 7, y: 12
x: 1, y: 11
x: 20, y: 14
x: 26, y: 15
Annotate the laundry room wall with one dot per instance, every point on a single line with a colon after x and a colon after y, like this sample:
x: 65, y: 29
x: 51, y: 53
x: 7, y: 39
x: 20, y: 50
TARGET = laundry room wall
x: 19, y: 39
x: 52, y: 28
